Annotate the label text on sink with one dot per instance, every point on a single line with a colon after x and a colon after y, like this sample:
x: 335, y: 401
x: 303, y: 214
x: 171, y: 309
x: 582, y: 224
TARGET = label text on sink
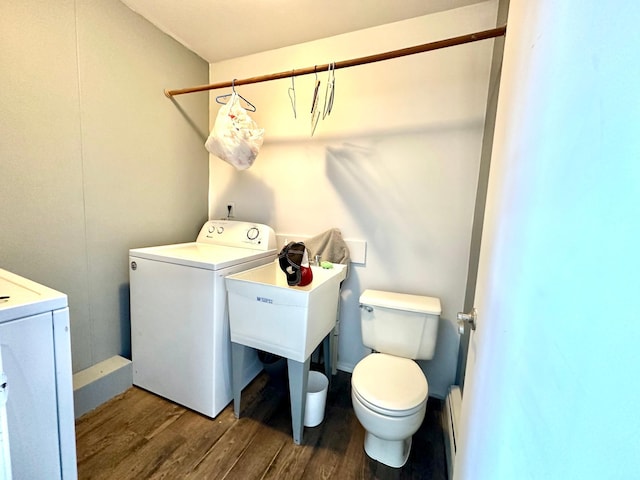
x: 264, y: 299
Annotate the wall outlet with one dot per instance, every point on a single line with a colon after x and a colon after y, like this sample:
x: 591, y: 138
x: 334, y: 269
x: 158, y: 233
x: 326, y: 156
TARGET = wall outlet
x: 231, y: 209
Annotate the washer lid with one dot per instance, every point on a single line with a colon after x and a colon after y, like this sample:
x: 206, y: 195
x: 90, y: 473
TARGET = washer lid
x: 389, y: 382
x: 201, y: 255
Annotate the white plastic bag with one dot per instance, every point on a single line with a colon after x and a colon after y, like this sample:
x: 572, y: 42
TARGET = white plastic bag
x: 235, y: 137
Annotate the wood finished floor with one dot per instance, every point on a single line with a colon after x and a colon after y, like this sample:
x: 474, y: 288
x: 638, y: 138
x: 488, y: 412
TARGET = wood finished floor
x: 138, y: 435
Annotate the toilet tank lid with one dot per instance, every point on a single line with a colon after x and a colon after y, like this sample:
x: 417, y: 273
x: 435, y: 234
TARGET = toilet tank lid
x: 401, y: 301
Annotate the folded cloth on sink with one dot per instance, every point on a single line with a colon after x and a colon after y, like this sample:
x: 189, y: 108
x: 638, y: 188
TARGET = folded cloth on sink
x: 330, y: 246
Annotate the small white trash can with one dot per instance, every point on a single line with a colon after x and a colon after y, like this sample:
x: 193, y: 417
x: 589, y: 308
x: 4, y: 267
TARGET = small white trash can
x: 317, y: 387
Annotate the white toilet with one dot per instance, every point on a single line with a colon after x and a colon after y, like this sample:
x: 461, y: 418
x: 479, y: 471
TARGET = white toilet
x: 388, y: 389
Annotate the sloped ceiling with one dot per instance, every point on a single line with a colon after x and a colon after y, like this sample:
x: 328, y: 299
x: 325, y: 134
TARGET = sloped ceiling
x: 221, y: 29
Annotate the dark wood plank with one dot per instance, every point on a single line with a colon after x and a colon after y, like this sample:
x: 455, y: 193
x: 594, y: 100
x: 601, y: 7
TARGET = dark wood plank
x: 138, y: 435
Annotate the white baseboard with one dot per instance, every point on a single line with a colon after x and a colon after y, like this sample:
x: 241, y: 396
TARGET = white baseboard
x: 101, y: 382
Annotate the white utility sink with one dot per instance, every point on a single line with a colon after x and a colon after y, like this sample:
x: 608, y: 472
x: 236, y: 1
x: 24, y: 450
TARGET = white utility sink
x: 268, y: 314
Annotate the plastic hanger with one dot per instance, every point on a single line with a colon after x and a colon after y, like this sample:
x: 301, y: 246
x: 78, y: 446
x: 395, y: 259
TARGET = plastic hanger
x: 221, y: 98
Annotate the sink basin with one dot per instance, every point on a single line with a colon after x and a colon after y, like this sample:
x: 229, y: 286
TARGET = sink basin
x: 268, y: 314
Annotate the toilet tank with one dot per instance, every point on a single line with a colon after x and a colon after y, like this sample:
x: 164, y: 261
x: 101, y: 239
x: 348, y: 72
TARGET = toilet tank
x: 400, y: 324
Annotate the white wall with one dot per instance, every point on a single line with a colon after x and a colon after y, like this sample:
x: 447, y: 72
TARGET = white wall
x: 94, y: 159
x: 395, y: 164
x: 554, y: 393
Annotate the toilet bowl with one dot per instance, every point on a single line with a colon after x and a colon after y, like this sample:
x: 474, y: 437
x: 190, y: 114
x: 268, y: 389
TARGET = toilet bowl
x: 389, y: 396
x: 389, y: 390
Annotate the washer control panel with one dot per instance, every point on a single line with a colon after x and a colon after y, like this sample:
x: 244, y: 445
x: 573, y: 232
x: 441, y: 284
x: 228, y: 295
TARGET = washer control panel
x: 238, y: 234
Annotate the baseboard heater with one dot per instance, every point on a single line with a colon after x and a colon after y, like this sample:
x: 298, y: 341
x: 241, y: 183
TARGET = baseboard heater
x: 451, y: 415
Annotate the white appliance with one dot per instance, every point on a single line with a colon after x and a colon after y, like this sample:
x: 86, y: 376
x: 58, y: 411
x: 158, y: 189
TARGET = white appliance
x: 5, y: 453
x: 37, y: 382
x: 179, y: 318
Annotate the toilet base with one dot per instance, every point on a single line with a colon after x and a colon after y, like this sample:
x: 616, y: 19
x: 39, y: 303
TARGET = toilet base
x: 393, y: 453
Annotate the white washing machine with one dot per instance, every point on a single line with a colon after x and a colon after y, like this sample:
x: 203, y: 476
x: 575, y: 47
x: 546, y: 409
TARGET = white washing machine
x: 180, y: 339
x: 37, y: 430
x: 5, y: 453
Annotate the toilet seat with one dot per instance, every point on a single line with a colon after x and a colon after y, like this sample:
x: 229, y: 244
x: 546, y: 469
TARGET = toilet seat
x: 385, y: 411
x: 390, y: 385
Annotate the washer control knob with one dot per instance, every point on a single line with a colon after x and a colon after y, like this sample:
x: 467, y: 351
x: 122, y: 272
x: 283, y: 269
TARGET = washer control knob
x: 211, y: 228
x: 253, y: 233
x: 220, y: 229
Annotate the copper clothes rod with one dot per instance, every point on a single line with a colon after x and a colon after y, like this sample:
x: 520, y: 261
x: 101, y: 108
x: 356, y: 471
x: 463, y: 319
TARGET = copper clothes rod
x: 426, y: 47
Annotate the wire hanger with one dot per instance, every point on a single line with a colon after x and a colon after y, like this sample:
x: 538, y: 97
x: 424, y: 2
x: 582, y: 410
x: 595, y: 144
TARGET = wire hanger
x: 330, y: 90
x: 315, y: 112
x: 221, y: 98
x: 314, y: 101
x: 292, y: 94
